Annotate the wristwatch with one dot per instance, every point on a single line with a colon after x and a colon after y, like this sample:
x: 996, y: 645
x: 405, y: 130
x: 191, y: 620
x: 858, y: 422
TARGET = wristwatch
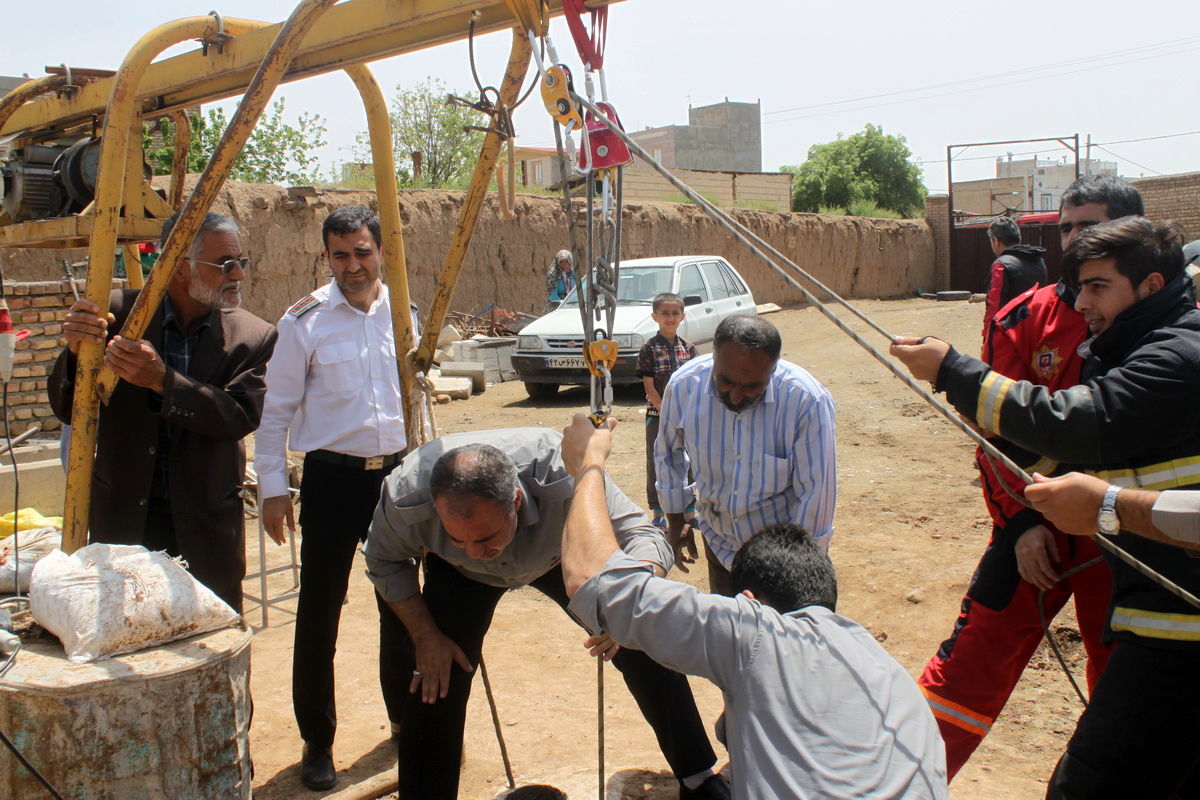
x: 1107, y: 520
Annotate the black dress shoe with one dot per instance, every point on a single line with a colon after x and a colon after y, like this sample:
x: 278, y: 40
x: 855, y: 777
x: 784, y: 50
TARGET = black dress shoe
x: 713, y: 788
x: 316, y: 768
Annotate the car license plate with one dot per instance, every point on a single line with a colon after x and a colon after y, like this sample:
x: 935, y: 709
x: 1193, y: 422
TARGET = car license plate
x: 566, y: 362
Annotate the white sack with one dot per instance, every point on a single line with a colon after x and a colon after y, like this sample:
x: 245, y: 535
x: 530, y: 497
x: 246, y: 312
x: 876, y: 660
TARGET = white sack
x: 34, y: 545
x: 108, y: 599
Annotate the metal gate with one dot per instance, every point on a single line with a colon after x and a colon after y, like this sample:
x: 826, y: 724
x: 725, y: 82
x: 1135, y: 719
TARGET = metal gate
x: 973, y: 255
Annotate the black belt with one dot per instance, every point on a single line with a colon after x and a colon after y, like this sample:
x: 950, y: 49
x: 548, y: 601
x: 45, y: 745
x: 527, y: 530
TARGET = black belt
x: 358, y: 462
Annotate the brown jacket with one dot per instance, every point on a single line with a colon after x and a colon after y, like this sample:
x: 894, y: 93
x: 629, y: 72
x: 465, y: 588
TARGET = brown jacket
x: 209, y: 411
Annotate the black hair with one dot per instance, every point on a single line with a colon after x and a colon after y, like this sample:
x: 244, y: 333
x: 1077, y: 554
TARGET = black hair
x: 785, y: 569
x: 474, y: 471
x: 1005, y: 231
x: 1139, y: 247
x: 350, y: 219
x: 665, y: 297
x: 754, y: 333
x: 1116, y: 194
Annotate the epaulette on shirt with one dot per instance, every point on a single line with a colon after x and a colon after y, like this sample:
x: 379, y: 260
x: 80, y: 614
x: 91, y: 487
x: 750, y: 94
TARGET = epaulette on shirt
x: 304, y: 305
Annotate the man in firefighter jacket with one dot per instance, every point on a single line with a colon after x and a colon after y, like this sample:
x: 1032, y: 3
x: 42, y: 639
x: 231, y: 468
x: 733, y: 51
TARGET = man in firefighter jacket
x: 1131, y: 422
x: 969, y: 679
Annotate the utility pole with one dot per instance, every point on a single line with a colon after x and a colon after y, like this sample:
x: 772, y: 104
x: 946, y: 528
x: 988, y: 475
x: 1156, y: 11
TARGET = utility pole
x: 1087, y: 161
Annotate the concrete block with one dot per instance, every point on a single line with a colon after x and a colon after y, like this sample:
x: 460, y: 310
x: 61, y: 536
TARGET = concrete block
x: 448, y: 334
x: 470, y: 369
x: 43, y: 484
x: 457, y: 387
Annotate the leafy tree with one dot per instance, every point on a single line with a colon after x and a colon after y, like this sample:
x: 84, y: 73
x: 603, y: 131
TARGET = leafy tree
x: 276, y: 151
x: 867, y: 166
x: 424, y: 121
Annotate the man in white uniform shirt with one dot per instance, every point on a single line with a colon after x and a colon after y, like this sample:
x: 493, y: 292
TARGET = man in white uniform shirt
x: 333, y: 389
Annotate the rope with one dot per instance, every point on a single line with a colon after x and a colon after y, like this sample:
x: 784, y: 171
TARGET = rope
x: 739, y: 232
x: 491, y: 698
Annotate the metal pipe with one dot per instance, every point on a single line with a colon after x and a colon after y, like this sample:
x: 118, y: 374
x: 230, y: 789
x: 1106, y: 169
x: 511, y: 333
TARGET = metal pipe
x: 489, y: 154
x: 110, y: 194
x: 179, y: 158
x: 187, y: 225
x: 26, y: 92
x: 395, y: 268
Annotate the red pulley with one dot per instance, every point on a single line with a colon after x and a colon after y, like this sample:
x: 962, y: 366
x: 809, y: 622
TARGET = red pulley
x: 603, y: 148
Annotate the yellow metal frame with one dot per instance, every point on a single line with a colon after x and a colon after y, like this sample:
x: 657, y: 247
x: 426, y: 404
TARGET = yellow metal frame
x: 250, y: 57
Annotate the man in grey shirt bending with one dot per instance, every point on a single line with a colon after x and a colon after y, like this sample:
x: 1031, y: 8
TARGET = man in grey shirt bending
x: 487, y: 510
x: 814, y: 707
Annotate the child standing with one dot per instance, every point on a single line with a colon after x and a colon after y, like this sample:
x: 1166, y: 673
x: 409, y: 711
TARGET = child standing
x: 658, y: 359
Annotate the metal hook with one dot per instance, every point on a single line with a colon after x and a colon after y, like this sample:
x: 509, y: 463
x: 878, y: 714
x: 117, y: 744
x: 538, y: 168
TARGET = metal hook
x: 69, y: 88
x: 218, y: 38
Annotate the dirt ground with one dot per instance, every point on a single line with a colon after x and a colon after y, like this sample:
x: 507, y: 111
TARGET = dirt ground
x: 910, y: 527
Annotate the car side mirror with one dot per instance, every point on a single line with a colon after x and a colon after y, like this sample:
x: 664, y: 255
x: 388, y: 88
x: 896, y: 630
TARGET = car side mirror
x: 693, y: 300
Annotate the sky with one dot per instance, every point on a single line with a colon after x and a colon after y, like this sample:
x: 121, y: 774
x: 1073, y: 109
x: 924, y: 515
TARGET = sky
x: 937, y: 73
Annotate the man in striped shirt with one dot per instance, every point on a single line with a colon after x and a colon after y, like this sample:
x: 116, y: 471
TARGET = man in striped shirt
x: 758, y: 434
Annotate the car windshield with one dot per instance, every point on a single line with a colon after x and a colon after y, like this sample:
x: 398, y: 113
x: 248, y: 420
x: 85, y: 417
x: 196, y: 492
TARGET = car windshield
x: 636, y: 285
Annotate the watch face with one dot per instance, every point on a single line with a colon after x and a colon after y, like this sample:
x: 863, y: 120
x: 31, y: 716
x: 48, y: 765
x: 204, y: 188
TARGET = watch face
x: 1108, y: 521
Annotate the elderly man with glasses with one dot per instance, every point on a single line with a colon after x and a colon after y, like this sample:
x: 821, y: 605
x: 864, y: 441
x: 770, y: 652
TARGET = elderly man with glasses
x: 169, y: 456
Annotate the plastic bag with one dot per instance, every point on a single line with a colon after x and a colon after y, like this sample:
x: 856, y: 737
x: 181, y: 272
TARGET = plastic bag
x: 31, y: 546
x: 26, y: 519
x: 108, y: 599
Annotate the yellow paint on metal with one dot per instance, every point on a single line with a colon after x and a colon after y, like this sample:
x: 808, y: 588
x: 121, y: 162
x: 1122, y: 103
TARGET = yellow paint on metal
x: 110, y: 191
x: 133, y: 266
x: 600, y: 353
x: 28, y: 91
x: 74, y: 231
x: 353, y: 32
x: 519, y: 56
x: 556, y: 95
x: 179, y: 158
x: 379, y: 128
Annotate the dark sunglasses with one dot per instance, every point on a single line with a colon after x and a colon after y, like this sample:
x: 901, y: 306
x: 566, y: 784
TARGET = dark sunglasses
x: 228, y: 266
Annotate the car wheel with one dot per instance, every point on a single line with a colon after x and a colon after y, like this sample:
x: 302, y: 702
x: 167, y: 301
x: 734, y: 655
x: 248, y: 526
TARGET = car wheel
x: 541, y: 391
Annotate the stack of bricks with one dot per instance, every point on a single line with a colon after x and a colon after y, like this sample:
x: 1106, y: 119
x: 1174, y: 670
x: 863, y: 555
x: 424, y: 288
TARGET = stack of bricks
x: 39, y: 308
x: 937, y: 213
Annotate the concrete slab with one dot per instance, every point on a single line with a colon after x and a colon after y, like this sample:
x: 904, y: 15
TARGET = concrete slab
x: 456, y: 387
x: 475, y: 370
x: 43, y: 484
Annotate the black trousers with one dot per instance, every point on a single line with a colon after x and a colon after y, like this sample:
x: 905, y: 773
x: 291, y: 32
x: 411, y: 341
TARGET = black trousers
x: 159, y: 534
x: 431, y: 735
x: 337, y: 504
x: 720, y: 580
x: 1140, y: 734
x: 651, y: 489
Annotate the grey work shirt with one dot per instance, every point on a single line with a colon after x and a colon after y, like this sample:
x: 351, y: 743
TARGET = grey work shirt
x: 814, y: 707
x: 406, y: 523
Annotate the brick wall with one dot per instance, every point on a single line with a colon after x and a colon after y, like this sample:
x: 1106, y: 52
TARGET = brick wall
x: 39, y: 308
x: 937, y: 213
x: 1174, y: 197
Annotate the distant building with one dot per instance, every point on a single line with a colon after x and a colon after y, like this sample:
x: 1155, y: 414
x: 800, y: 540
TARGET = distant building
x: 1025, y: 185
x: 724, y: 137
x: 718, y: 153
x: 7, y: 84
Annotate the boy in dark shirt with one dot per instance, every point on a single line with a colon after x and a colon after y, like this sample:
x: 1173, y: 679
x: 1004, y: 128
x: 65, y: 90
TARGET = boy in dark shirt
x: 658, y: 359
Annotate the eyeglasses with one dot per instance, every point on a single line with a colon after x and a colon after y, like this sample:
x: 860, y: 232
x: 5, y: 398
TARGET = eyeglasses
x: 227, y: 266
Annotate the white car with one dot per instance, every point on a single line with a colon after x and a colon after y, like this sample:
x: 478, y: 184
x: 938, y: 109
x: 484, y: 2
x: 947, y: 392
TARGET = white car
x: 550, y: 349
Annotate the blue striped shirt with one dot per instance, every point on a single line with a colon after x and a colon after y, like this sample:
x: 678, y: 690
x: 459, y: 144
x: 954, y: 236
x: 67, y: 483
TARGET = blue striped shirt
x: 773, y: 462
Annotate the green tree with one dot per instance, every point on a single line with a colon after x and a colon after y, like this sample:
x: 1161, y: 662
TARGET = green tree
x: 425, y: 121
x: 868, y: 166
x: 276, y: 151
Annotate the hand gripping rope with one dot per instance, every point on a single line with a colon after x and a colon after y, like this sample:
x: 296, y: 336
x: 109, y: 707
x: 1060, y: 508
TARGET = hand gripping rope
x: 761, y: 249
x: 599, y: 160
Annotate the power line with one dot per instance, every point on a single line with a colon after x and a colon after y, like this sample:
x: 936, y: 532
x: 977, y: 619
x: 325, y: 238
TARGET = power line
x: 1123, y: 158
x: 997, y: 75
x: 1094, y: 144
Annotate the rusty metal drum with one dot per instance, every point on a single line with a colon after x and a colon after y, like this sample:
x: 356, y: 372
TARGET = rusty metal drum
x: 172, y: 722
